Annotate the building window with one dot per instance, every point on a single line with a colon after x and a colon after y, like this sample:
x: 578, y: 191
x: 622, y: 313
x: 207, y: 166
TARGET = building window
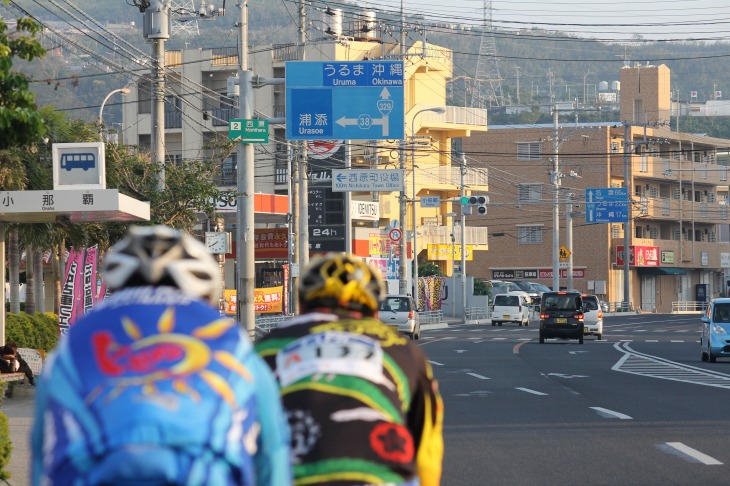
x: 529, y: 192
x: 528, y: 151
x: 529, y: 235
x: 616, y: 231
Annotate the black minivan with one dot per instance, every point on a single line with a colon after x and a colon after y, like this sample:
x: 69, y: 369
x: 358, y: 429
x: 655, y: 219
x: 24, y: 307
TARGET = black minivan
x: 561, y: 315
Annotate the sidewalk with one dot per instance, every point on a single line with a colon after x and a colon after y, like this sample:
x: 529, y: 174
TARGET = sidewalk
x: 19, y: 410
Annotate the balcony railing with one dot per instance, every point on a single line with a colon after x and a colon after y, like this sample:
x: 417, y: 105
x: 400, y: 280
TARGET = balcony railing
x: 475, y: 117
x: 434, y: 176
x: 441, y: 235
x: 222, y: 115
x: 173, y: 119
x: 286, y: 52
x: 674, y: 170
x: 676, y: 209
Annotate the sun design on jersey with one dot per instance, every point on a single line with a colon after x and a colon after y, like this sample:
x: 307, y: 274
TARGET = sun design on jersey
x: 164, y: 359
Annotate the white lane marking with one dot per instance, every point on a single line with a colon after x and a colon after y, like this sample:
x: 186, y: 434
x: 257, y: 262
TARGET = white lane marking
x: 626, y: 340
x: 611, y: 414
x: 560, y: 375
x: 472, y: 338
x: 475, y: 375
x: 651, y: 341
x: 499, y: 339
x: 534, y: 392
x: 694, y: 454
x: 525, y: 339
x: 676, y: 341
x: 435, y: 363
x: 459, y: 351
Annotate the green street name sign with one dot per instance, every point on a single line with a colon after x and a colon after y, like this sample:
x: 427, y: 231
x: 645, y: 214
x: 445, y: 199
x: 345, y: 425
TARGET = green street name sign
x: 249, y: 131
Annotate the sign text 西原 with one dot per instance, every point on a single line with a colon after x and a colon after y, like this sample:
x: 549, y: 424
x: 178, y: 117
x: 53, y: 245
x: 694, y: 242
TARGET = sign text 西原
x: 374, y: 180
x: 249, y: 131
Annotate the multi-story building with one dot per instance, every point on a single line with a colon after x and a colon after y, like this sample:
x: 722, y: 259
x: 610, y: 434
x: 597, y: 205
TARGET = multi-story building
x: 200, y: 103
x: 677, y: 221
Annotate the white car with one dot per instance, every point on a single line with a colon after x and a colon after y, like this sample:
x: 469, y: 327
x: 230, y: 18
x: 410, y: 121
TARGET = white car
x: 400, y: 310
x: 511, y: 307
x: 592, y: 316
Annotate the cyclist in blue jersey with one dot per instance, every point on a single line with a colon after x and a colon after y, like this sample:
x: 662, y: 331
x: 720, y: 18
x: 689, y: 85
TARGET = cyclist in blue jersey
x: 154, y: 387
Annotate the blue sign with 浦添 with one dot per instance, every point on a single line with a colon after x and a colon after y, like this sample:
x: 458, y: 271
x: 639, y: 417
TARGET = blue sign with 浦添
x: 353, y: 100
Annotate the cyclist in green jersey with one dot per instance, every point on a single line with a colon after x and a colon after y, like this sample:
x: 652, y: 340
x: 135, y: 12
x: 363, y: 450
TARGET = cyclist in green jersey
x: 360, y: 397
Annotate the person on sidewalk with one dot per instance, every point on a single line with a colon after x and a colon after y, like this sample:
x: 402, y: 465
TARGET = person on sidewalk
x: 153, y: 386
x: 361, y: 399
x: 12, y: 362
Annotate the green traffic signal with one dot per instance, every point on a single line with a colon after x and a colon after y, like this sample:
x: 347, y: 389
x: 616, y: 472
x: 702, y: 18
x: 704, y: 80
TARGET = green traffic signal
x: 464, y: 201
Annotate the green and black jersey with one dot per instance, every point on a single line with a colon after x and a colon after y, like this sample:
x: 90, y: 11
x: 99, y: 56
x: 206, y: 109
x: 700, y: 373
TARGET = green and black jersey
x: 361, y: 399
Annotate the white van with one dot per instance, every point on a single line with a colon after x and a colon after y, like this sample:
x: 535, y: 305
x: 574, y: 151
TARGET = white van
x: 511, y: 307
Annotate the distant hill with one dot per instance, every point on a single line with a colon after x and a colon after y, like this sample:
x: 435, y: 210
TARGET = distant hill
x: 76, y: 78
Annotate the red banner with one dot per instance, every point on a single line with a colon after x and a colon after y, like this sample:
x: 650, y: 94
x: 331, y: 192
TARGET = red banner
x: 271, y: 243
x: 639, y: 256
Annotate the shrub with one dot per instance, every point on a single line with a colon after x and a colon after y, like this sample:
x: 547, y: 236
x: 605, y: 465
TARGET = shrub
x: 6, y: 447
x: 39, y: 331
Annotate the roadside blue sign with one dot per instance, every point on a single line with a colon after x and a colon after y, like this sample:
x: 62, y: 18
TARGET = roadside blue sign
x: 607, y: 205
x: 352, y: 100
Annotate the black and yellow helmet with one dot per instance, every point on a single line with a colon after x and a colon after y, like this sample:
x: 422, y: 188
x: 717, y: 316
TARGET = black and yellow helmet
x: 341, y: 281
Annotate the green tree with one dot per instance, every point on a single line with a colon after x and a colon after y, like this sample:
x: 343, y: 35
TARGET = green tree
x: 20, y: 122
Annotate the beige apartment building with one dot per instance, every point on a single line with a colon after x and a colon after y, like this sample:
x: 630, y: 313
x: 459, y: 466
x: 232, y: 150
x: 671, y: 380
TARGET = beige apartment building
x: 201, y: 99
x: 678, y: 211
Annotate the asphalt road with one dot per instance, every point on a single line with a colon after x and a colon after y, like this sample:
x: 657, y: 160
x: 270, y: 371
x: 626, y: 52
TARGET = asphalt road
x: 636, y: 408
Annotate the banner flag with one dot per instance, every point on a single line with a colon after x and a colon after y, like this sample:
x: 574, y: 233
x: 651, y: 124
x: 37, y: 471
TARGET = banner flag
x: 72, y: 279
x: 90, y: 279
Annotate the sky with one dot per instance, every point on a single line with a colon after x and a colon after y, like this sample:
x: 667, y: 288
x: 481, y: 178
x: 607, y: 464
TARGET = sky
x: 707, y: 20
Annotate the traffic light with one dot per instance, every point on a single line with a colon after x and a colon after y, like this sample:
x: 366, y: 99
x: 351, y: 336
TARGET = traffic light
x: 474, y: 205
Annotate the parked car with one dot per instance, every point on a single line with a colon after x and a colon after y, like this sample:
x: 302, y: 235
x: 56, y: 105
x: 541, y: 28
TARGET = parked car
x: 505, y: 287
x: 561, y: 315
x: 512, y: 307
x: 592, y: 316
x: 526, y: 286
x: 400, y: 310
x: 716, y: 331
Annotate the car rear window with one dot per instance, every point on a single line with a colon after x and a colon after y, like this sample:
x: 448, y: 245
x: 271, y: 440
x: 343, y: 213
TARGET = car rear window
x: 507, y: 300
x: 590, y: 304
x: 561, y: 302
x: 398, y: 304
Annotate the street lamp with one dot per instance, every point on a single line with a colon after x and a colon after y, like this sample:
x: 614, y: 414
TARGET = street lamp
x: 434, y: 109
x: 124, y: 91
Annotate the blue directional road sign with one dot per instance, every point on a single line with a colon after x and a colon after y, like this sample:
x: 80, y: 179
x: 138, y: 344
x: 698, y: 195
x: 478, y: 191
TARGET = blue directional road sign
x: 352, y: 100
x: 607, y: 205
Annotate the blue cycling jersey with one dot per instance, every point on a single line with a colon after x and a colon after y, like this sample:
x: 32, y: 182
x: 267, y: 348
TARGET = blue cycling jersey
x: 153, y: 387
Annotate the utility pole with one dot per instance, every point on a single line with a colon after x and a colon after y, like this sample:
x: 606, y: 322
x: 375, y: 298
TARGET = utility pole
x: 463, y: 242
x: 555, y: 179
x: 157, y: 25
x: 303, y: 182
x: 569, y: 240
x: 245, y: 258
x: 517, y: 72
x: 626, y: 304
x: 402, y: 269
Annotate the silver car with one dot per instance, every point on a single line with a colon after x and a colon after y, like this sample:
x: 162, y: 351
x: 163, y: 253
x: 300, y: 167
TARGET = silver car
x: 400, y: 310
x: 592, y: 316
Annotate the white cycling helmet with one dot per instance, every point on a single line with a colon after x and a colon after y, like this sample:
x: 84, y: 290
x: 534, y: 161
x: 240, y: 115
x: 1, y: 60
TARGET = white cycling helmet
x: 160, y: 255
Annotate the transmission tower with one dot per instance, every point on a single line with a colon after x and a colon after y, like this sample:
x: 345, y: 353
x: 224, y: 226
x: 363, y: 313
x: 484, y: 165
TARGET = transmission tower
x: 488, y: 80
x: 185, y: 21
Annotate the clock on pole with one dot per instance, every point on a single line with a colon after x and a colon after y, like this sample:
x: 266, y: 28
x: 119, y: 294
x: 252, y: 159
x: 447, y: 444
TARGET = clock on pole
x: 216, y: 242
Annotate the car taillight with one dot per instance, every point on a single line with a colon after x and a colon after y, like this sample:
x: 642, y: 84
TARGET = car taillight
x: 578, y: 316
x: 600, y: 314
x: 544, y: 316
x: 410, y: 314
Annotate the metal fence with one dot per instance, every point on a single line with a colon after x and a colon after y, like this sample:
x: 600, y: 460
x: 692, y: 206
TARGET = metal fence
x: 264, y: 324
x: 689, y: 307
x: 475, y: 313
x: 431, y: 317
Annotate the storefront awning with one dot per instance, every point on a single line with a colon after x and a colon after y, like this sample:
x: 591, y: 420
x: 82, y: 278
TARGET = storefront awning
x: 662, y: 271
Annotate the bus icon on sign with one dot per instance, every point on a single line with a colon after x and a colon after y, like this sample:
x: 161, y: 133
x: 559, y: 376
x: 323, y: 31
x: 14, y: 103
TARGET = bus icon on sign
x: 78, y: 161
